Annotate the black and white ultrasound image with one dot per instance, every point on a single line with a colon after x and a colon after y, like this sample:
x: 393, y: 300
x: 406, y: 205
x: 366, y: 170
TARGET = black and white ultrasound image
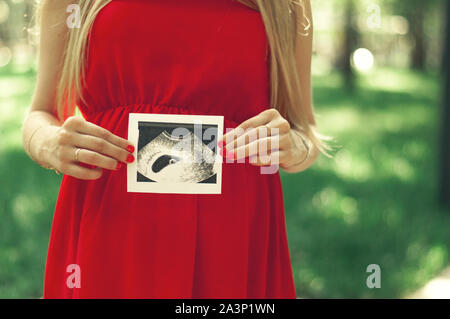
x: 177, y: 153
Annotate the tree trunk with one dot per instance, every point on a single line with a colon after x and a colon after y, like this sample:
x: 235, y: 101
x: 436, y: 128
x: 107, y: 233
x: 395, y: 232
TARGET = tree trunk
x: 417, y: 21
x: 349, y: 42
x: 444, y: 195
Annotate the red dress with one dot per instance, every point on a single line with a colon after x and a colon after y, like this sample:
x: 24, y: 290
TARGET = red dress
x: 207, y: 57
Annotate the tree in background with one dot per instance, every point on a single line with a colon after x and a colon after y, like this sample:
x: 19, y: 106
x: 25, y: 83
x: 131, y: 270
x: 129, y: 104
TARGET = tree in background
x: 416, y: 17
x: 445, y: 123
x: 348, y: 45
x: 416, y: 11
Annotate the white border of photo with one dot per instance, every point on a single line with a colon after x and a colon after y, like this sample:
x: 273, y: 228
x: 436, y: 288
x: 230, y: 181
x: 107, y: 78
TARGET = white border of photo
x: 172, y: 188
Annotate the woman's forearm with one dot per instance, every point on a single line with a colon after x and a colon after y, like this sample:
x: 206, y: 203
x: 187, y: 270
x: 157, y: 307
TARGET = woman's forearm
x: 37, y: 128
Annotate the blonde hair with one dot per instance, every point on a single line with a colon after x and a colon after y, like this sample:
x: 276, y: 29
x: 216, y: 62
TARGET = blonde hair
x: 281, y: 21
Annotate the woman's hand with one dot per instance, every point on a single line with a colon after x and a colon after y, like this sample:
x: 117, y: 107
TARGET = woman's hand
x: 98, y: 147
x: 266, y: 139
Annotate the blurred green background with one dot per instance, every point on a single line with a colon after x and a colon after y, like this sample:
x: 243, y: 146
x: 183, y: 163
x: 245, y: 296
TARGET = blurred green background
x: 378, y: 91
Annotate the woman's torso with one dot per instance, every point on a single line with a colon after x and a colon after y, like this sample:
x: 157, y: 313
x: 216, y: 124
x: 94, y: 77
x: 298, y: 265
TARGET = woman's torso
x: 199, y: 56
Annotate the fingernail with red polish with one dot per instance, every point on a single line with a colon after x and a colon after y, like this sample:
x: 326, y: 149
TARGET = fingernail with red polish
x: 230, y: 155
x: 119, y: 165
x: 130, y: 148
x: 130, y: 158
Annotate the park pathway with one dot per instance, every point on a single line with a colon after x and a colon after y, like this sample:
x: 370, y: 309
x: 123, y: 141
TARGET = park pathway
x: 438, y: 288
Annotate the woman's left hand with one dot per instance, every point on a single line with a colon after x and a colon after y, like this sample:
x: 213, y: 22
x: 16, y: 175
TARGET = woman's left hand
x: 266, y: 139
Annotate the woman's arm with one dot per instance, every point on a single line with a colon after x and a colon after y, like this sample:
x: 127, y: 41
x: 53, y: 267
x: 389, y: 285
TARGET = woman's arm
x: 48, y: 141
x: 292, y: 154
x: 40, y: 120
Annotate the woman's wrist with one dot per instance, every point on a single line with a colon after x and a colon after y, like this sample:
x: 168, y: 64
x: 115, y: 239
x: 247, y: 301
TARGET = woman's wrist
x: 28, y: 146
x: 303, y: 146
x: 37, y: 145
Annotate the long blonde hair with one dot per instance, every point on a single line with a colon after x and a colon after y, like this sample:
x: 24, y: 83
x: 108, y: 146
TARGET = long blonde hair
x: 281, y: 21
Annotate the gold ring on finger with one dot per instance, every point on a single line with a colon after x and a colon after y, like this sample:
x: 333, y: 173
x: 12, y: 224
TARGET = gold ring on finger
x: 76, y: 154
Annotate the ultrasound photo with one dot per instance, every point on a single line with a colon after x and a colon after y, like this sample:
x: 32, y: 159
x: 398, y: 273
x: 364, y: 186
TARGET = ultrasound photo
x: 175, y: 154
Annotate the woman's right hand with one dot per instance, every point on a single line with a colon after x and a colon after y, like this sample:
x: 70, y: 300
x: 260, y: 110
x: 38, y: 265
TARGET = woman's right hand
x: 98, y: 147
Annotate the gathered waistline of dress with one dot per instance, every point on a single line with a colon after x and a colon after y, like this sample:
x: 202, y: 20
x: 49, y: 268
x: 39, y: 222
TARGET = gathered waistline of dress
x: 131, y: 107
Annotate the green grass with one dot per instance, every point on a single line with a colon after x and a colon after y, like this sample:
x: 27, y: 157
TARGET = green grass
x: 374, y: 203
x: 27, y: 198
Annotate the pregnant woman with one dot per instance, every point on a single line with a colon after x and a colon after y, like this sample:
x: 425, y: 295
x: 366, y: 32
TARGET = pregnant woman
x: 248, y: 61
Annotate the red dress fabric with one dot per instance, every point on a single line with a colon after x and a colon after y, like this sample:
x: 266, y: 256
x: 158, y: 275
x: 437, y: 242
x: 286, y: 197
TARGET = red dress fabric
x: 205, y: 57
